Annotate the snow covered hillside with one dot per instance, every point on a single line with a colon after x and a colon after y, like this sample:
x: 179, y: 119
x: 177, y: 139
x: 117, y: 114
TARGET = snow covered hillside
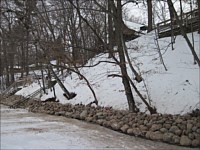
x: 173, y: 91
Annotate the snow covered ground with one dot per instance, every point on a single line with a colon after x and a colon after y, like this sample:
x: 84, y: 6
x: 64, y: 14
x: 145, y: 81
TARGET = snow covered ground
x: 173, y: 91
x: 24, y: 130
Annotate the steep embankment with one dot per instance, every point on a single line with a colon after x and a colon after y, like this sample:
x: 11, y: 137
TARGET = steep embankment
x: 175, y: 91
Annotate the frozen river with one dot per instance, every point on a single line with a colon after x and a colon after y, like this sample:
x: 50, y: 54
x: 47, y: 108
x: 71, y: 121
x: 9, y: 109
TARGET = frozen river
x: 21, y: 129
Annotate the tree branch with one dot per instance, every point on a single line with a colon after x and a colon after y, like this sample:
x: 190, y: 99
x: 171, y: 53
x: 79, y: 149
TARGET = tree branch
x: 130, y: 1
x: 115, y: 75
x: 82, y: 76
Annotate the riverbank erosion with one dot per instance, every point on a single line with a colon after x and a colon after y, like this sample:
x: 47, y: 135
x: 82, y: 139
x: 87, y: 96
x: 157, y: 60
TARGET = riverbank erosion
x: 183, y: 130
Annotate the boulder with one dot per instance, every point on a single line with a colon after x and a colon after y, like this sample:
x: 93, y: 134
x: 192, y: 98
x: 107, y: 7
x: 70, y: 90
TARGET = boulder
x: 145, y: 122
x: 189, y: 127
x: 196, y: 135
x: 68, y: 114
x: 179, y: 120
x: 83, y: 114
x: 163, y: 130
x: 156, y: 127
x: 156, y: 136
x: 167, y: 126
x: 88, y: 119
x: 196, y: 142
x: 176, y: 139
x: 178, y: 132
x: 185, y: 141
x: 100, y: 121
x: 148, y: 134
x: 143, y: 128
x: 124, y: 128
x: 115, y: 126
x: 182, y: 126
x: 99, y: 114
x: 173, y: 129
x: 191, y: 136
x: 194, y: 128
x: 130, y: 131
x: 60, y: 113
x: 137, y: 132
x: 198, y: 131
x: 167, y: 137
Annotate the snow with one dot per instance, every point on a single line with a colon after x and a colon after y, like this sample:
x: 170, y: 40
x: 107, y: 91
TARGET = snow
x: 175, y: 91
x: 133, y: 10
x: 133, y: 25
x: 44, y: 132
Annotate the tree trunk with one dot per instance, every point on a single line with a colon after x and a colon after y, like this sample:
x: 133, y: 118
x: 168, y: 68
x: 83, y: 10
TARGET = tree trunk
x: 1, y: 59
x: 1, y: 66
x: 125, y: 81
x: 138, y: 77
x: 11, y: 71
x: 198, y: 2
x: 43, y: 84
x: 110, y: 30
x: 152, y: 110
x: 29, y: 5
x: 27, y: 54
x: 181, y: 10
x: 67, y: 94
x: 22, y: 60
x: 84, y: 56
x: 172, y: 26
x: 5, y: 59
x: 150, y: 15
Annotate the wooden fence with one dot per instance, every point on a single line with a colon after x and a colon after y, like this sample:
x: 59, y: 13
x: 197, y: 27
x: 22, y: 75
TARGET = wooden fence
x: 189, y: 21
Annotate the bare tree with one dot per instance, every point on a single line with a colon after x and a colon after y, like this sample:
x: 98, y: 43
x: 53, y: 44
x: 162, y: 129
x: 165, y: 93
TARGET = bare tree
x: 119, y: 37
x: 150, y: 15
x: 8, y: 44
